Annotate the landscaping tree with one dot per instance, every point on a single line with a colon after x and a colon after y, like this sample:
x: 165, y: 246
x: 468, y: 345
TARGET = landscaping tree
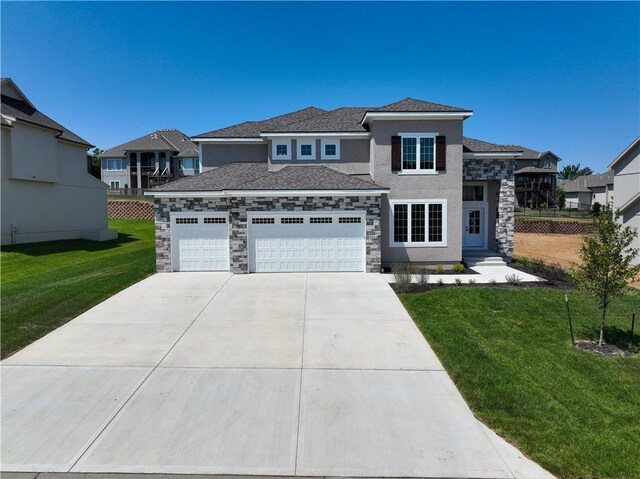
x: 94, y: 166
x: 571, y: 172
x: 561, y: 197
x: 607, y: 258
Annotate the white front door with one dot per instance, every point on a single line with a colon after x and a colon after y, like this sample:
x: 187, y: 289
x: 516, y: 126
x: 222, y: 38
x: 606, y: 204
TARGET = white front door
x: 300, y: 241
x: 200, y: 242
x: 473, y: 227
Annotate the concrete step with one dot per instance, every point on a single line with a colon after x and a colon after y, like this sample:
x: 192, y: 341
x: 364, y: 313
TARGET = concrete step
x: 472, y: 261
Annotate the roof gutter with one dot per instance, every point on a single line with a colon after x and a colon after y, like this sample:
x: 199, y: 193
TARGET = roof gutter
x: 416, y: 115
x: 323, y: 134
x: 507, y: 154
x: 261, y: 193
x: 196, y: 139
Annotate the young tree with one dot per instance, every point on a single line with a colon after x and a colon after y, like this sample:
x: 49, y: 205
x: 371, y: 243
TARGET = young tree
x: 607, y: 258
x: 571, y: 172
x: 561, y: 197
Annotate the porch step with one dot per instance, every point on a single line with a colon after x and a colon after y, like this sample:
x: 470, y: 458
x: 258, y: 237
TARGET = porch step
x: 472, y: 261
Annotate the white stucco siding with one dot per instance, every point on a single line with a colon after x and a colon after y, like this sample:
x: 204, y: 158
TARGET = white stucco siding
x: 33, y: 153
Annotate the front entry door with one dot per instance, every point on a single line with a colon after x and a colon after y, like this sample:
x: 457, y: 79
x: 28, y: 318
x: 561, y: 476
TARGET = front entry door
x: 473, y: 227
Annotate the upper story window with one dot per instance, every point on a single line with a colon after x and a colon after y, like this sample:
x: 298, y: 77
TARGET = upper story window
x: 114, y: 165
x: 330, y: 149
x: 189, y: 164
x: 306, y: 149
x: 281, y: 150
x: 418, y: 152
x: 547, y: 162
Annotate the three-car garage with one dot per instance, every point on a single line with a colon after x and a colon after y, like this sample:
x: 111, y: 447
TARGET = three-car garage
x: 292, y: 241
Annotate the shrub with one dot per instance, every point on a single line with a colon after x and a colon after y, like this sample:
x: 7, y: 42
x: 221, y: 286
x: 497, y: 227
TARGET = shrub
x: 439, y: 269
x: 596, y: 208
x: 472, y: 281
x: 513, y: 279
x: 423, y: 276
x: 458, y: 268
x: 493, y: 282
x: 458, y: 282
x: 402, y: 277
x: 440, y: 282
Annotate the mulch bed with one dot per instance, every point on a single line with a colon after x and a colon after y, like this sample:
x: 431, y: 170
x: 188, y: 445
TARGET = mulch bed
x: 416, y: 288
x: 605, y: 349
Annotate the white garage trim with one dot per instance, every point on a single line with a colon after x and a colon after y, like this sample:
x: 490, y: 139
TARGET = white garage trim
x: 306, y: 241
x: 205, y: 234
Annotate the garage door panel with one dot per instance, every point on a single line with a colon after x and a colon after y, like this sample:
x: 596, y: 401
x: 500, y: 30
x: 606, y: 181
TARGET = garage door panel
x: 200, y: 243
x: 326, y: 244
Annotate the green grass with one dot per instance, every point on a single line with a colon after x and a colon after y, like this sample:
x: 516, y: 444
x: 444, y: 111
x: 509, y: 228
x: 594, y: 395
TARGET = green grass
x: 44, y: 285
x: 509, y: 352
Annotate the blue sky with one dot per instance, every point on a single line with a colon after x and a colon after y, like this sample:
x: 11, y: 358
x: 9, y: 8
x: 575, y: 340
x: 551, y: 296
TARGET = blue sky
x: 559, y: 76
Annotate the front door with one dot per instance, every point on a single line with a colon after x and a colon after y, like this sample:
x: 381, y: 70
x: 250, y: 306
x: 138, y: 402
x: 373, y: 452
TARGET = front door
x: 473, y: 227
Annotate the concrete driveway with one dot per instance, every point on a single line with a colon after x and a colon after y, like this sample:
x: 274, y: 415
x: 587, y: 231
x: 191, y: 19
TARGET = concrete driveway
x: 289, y: 374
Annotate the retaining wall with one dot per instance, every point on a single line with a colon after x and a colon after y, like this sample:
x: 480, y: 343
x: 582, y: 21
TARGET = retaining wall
x: 552, y: 227
x: 130, y: 210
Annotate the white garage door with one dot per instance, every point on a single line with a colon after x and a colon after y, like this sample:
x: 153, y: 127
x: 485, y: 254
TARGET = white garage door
x: 200, y: 242
x: 307, y: 242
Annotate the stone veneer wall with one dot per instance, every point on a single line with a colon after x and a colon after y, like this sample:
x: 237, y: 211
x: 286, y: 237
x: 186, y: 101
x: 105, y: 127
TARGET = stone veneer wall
x: 497, y: 170
x: 238, y: 209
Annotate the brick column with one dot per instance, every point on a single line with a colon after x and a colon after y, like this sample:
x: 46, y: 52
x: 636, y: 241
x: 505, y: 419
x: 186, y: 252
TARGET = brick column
x: 504, y: 221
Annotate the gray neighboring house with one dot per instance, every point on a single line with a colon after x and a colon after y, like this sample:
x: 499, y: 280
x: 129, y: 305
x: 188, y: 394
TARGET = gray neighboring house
x: 626, y: 181
x: 46, y: 193
x: 350, y: 189
x: 586, y: 190
x: 151, y: 160
x: 536, y: 177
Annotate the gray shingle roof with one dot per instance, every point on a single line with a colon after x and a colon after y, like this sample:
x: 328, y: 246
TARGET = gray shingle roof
x: 478, y: 146
x: 552, y: 170
x: 255, y: 176
x: 345, y: 119
x: 252, y: 129
x: 409, y: 105
x: 25, y: 112
x: 584, y: 183
x: 159, y: 140
x: 315, y: 120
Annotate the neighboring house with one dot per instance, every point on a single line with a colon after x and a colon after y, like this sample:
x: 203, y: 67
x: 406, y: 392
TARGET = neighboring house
x: 586, y: 190
x: 626, y: 168
x: 47, y: 193
x: 151, y: 160
x: 351, y: 189
x: 535, y: 176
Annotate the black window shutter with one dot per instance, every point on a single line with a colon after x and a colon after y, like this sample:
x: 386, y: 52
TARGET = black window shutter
x: 396, y: 154
x: 441, y: 153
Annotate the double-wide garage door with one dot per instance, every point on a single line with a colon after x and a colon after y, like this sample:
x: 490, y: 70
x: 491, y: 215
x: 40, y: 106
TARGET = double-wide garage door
x: 306, y: 242
x: 283, y: 242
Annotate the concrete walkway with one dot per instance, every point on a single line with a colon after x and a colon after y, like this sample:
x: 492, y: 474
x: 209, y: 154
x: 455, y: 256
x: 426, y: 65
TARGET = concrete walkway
x: 209, y: 373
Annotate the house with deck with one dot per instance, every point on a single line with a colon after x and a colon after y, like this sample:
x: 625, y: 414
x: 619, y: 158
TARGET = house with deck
x: 153, y: 159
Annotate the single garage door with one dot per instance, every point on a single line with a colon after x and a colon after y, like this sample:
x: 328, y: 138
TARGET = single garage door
x: 299, y: 241
x: 200, y: 242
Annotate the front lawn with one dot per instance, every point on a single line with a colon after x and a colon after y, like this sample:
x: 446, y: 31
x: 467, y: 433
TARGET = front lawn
x: 510, y: 354
x: 44, y: 285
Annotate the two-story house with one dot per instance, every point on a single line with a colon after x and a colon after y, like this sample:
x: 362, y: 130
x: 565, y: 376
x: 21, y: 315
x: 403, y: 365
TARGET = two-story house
x: 626, y: 181
x: 151, y: 160
x: 47, y: 193
x: 583, y: 192
x: 351, y: 189
x: 536, y: 177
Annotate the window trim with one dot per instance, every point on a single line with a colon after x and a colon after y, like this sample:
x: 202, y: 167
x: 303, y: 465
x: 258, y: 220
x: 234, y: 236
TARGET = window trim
x: 275, y: 143
x: 485, y: 198
x: 329, y: 141
x: 424, y: 244
x: 119, y: 160
x: 418, y: 170
x: 299, y: 143
x: 117, y: 184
